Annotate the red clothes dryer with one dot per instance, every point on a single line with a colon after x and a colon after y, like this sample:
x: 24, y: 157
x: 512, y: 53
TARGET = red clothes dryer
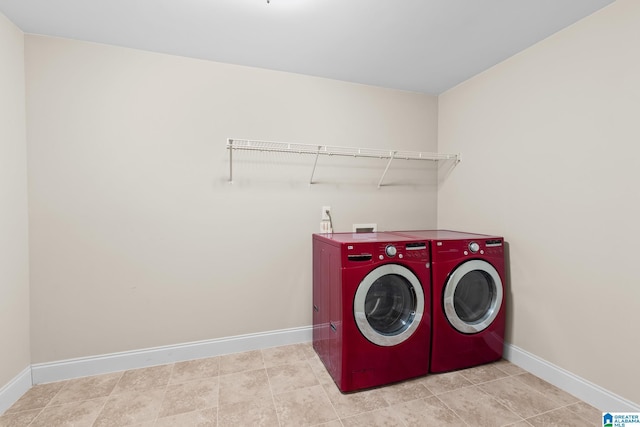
x: 468, y: 311
x: 371, y: 300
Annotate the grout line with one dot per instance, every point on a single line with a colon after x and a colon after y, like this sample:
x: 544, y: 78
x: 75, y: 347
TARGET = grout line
x: 451, y: 409
x: 273, y: 398
x: 218, y: 394
x: 164, y: 394
x: 558, y: 408
x: 335, y: 411
x: 490, y: 396
x: 545, y: 394
x: 538, y: 392
x: 34, y: 418
x: 105, y: 403
x: 45, y: 406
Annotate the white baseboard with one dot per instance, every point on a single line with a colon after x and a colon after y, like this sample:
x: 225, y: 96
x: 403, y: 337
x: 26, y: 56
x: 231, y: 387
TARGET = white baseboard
x: 593, y: 394
x: 14, y: 389
x: 114, y: 362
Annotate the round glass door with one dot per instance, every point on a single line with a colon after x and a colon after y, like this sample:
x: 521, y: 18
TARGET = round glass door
x: 389, y: 305
x: 473, y: 296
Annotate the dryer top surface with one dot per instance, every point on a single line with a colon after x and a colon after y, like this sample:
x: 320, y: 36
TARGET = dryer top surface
x: 444, y: 235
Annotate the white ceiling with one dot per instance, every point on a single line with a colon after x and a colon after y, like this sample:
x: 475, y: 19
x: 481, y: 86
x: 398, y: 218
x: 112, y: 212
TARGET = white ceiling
x: 417, y: 45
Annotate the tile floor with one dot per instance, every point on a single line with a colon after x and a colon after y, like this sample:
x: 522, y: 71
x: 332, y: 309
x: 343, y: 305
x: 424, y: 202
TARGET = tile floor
x: 289, y: 386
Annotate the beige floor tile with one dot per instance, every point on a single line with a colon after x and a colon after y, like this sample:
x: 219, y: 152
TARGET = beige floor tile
x: 562, y: 417
x: 320, y: 371
x: 190, y: 396
x: 549, y: 390
x: 244, y: 387
x: 284, y: 355
x: 482, y: 374
x: 508, y: 367
x: 289, y: 377
x: 19, y: 419
x: 36, y: 397
x: 195, y: 370
x: 239, y: 362
x: 87, y: 388
x: 442, y: 383
x: 131, y: 408
x: 258, y: 412
x: 429, y: 411
x: 204, y: 418
x: 404, y: 391
x: 349, y: 404
x: 144, y: 379
x: 304, y: 407
x: 315, y: 362
x: 477, y: 408
x: 585, y: 411
x: 334, y: 423
x: 75, y: 414
x: 522, y: 423
x: 519, y: 397
x: 385, y: 417
x: 308, y: 350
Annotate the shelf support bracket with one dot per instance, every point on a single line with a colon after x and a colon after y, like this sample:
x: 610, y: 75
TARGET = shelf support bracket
x: 393, y: 153
x: 315, y: 162
x: 230, y: 160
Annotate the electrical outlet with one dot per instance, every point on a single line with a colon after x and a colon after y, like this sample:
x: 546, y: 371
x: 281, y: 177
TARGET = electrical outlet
x: 325, y: 216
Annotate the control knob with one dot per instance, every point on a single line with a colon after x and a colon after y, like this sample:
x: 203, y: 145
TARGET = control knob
x: 474, y: 247
x: 391, y: 251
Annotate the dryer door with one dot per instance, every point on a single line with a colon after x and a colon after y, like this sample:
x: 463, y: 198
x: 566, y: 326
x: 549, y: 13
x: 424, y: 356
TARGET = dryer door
x: 389, y: 305
x: 473, y: 296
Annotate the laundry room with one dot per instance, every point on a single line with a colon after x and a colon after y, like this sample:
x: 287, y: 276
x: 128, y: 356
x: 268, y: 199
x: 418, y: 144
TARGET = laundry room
x: 135, y: 236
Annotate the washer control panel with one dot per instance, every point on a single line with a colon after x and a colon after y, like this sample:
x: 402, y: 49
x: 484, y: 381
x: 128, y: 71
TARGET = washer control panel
x: 381, y: 251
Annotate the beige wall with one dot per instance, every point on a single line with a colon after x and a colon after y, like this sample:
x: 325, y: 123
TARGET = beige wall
x: 137, y: 238
x: 550, y: 141
x: 14, y: 251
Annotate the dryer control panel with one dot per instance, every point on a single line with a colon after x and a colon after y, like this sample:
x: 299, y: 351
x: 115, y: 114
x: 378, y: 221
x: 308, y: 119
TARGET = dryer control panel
x: 490, y: 247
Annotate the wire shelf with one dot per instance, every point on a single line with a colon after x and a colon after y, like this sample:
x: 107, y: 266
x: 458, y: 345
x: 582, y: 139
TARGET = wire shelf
x: 329, y: 150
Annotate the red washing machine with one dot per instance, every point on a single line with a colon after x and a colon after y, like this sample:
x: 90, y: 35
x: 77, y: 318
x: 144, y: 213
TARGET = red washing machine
x: 371, y: 300
x: 468, y: 306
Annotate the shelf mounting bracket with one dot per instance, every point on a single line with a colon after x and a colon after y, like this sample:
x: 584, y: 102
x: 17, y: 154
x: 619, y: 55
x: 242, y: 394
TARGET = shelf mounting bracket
x: 392, y: 155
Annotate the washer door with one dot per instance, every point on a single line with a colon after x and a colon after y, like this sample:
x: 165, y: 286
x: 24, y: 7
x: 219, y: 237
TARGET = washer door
x: 473, y: 296
x: 389, y: 305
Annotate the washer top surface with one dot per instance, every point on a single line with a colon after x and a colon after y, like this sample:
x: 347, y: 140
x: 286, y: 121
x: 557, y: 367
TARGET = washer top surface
x: 364, y: 237
x: 444, y: 235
